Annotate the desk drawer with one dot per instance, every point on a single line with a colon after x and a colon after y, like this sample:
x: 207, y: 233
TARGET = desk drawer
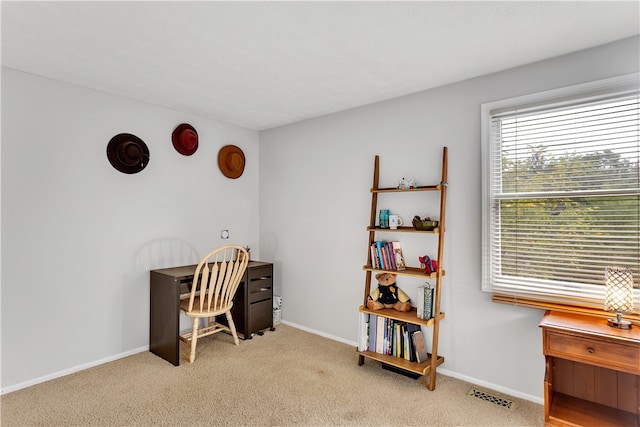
x: 260, y: 285
x: 260, y: 316
x: 594, y: 351
x: 258, y: 273
x: 185, y: 286
x: 260, y: 289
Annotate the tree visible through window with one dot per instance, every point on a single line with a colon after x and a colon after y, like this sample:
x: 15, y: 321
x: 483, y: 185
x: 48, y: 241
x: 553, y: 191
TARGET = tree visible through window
x: 562, y: 195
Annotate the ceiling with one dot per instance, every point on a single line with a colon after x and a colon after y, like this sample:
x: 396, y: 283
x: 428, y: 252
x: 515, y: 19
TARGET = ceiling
x: 264, y: 64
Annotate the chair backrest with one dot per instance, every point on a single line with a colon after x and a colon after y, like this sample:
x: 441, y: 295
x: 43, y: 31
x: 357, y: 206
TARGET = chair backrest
x: 217, y: 277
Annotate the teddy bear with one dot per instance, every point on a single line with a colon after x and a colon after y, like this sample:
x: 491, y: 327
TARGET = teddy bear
x: 388, y: 295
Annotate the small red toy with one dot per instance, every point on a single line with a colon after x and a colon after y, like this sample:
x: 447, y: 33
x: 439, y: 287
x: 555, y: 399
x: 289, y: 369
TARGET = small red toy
x: 429, y: 265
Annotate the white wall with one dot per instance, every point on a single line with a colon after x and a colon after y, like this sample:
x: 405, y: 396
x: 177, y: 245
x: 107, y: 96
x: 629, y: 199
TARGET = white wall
x: 314, y: 195
x: 79, y: 237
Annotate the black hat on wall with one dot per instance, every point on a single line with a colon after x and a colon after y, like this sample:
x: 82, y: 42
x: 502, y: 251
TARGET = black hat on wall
x: 127, y: 153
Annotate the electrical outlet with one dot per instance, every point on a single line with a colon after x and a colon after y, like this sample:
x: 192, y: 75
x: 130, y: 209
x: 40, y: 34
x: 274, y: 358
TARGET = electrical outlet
x: 224, y: 234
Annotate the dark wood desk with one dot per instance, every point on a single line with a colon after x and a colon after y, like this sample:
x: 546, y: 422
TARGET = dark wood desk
x: 252, y: 305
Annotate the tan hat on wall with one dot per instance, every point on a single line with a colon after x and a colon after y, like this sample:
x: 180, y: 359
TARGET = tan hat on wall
x: 231, y: 161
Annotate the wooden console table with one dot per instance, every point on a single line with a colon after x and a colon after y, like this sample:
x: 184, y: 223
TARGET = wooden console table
x: 592, y: 375
x: 252, y: 305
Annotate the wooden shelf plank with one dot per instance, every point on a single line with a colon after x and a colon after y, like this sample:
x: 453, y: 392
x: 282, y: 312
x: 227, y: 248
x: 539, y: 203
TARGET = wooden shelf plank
x: 413, y: 190
x: 403, y: 229
x: 410, y: 271
x: 569, y: 410
x: 403, y: 316
x: 423, y: 368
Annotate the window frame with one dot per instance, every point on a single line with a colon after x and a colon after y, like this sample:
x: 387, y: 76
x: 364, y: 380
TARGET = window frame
x: 585, y: 91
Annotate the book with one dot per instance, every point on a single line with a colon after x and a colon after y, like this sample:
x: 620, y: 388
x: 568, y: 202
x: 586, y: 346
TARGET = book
x: 380, y: 327
x: 425, y: 300
x: 400, y: 331
x: 390, y: 323
x: 432, y: 302
x: 428, y: 302
x: 406, y: 348
x: 420, y: 301
x: 373, y: 327
x: 385, y: 257
x: 423, y: 308
x: 394, y: 346
x: 379, y: 251
x: 374, y: 257
x: 399, y: 257
x: 385, y: 336
x: 391, y: 255
x: 363, y: 335
x: 420, y: 348
x: 411, y: 328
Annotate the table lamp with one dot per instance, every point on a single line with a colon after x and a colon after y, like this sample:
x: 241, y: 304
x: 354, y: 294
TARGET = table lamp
x: 618, y: 295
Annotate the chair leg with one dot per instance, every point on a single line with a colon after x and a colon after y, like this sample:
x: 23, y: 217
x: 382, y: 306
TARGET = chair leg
x: 194, y: 339
x: 232, y: 327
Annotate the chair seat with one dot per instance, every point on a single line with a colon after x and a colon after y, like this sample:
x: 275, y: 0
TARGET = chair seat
x: 215, y: 311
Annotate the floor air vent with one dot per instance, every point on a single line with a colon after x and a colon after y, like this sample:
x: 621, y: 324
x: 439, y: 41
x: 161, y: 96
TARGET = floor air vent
x: 499, y: 401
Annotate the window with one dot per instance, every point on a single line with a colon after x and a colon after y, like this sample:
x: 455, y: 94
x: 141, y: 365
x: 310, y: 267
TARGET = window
x: 561, y: 193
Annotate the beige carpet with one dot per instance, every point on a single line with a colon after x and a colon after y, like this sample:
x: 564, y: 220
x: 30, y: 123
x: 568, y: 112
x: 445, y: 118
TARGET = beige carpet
x: 286, y: 377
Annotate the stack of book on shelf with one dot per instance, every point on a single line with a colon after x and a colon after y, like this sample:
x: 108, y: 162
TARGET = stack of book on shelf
x: 425, y: 299
x: 391, y: 337
x: 387, y: 255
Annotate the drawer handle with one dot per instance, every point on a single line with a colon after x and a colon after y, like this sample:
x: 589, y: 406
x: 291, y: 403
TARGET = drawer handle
x: 590, y: 350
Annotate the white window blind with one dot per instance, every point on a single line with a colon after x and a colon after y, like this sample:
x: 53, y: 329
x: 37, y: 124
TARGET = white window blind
x: 561, y: 192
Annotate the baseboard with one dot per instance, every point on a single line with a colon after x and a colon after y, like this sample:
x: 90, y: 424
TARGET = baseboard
x: 443, y: 371
x: 491, y: 386
x: 322, y: 334
x: 72, y: 370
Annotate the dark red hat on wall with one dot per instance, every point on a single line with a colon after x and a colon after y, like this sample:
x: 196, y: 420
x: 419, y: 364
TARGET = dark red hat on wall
x: 127, y: 153
x: 185, y: 139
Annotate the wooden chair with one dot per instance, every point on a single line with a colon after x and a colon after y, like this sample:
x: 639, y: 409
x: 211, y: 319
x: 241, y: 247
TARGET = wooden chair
x: 215, y: 282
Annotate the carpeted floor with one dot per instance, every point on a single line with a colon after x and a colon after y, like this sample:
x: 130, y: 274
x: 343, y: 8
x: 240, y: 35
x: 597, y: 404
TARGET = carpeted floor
x: 286, y: 377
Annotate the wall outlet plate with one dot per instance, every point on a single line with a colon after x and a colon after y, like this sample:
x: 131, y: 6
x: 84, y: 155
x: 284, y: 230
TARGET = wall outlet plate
x: 224, y: 234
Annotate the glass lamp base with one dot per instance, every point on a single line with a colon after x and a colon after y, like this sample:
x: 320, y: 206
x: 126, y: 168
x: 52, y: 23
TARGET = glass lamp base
x: 619, y: 323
